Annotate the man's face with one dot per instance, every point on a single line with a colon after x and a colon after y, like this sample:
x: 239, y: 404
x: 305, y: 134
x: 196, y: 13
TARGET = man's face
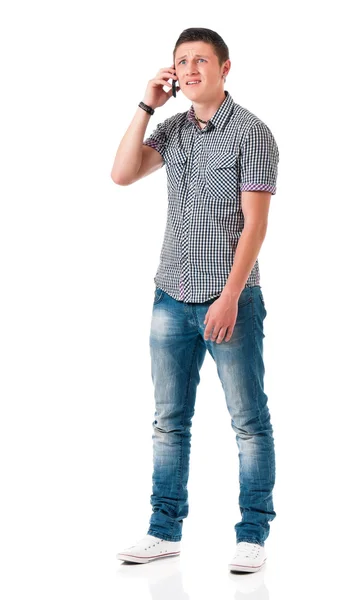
x: 197, y: 61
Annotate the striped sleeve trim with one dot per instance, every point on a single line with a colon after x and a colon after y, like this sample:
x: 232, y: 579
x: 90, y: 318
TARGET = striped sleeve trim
x: 154, y: 144
x: 256, y: 187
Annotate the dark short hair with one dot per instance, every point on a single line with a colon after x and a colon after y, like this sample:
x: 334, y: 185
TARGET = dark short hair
x: 201, y: 34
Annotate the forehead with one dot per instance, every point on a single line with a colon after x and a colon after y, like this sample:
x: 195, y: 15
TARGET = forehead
x: 190, y: 49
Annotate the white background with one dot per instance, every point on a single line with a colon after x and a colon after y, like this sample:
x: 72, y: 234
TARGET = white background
x: 78, y: 258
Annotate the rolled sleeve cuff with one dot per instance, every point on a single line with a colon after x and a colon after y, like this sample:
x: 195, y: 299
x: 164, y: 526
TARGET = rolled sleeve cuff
x: 155, y: 145
x: 256, y: 187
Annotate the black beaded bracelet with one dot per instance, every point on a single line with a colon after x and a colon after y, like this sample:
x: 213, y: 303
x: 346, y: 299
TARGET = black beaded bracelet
x: 147, y: 108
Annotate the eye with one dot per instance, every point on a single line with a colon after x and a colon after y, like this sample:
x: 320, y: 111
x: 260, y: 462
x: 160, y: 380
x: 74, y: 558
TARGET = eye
x: 181, y: 61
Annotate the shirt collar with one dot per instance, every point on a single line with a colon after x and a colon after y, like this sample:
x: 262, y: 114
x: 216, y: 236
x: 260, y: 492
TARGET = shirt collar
x: 220, y: 117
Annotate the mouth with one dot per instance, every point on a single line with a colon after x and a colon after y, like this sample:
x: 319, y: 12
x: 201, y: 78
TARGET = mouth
x: 191, y: 83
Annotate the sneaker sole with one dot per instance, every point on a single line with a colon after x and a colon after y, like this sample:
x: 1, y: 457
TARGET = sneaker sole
x: 144, y: 559
x: 245, y: 568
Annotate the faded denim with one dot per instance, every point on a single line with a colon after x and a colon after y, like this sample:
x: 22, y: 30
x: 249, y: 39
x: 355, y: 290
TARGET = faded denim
x: 178, y: 348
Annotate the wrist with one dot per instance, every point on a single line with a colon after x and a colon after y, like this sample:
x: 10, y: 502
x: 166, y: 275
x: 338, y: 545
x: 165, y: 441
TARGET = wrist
x: 230, y: 294
x: 149, y: 104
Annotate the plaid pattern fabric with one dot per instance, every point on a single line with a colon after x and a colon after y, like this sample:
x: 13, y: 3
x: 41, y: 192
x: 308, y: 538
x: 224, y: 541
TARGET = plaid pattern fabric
x: 207, y: 169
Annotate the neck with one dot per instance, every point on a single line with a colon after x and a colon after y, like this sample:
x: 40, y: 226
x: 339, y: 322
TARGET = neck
x: 205, y: 110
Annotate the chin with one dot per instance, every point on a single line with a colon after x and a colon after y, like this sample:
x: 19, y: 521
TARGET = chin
x: 188, y: 93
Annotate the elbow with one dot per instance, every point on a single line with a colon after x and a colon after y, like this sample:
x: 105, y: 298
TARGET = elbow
x: 118, y: 180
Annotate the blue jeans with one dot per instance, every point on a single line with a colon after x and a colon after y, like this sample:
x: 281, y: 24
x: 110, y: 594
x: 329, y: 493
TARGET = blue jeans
x: 178, y: 348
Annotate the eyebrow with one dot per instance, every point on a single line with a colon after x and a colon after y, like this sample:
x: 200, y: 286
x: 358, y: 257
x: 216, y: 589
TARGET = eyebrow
x: 185, y: 56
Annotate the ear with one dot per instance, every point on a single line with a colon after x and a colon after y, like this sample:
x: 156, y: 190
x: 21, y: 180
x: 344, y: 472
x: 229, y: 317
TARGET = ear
x: 226, y: 68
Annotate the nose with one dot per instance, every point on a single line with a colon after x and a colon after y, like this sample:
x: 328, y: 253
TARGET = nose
x: 192, y: 69
x: 191, y: 72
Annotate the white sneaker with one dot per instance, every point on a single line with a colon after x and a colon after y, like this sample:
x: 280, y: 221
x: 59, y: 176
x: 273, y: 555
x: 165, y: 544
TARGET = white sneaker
x: 149, y: 548
x: 248, y: 557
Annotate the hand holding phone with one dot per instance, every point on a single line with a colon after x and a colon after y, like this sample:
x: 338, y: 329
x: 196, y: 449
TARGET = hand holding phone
x: 155, y: 95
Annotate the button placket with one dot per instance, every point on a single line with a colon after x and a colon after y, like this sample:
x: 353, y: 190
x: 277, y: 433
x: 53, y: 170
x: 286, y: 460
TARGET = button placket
x: 185, y: 280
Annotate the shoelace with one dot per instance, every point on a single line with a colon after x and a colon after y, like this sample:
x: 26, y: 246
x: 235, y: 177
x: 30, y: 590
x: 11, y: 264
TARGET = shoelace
x: 252, y: 549
x: 152, y: 543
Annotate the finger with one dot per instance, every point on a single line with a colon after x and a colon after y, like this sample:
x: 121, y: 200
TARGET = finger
x: 164, y: 76
x: 168, y: 72
x: 215, y: 333
x: 229, y: 334
x: 221, y: 335
x: 163, y: 69
x: 166, y: 81
x: 162, y: 82
x: 208, y: 331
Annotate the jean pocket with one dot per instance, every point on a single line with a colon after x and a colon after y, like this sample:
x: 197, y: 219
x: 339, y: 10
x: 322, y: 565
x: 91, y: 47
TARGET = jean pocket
x: 159, y: 294
x: 245, y: 297
x: 261, y: 297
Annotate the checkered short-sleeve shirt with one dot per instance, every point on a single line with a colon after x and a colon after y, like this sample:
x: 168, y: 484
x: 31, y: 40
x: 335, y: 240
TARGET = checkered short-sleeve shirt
x: 207, y: 169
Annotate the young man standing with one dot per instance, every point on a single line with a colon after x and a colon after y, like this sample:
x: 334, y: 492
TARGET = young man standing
x: 221, y: 162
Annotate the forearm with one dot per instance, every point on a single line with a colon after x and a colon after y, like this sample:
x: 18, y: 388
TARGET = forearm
x: 129, y: 154
x: 246, y: 253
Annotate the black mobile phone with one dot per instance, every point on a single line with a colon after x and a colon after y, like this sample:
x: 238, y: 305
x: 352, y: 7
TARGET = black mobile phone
x: 174, y: 87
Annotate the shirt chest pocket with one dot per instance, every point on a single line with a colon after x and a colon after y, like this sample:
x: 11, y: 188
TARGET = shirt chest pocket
x: 175, y: 167
x: 221, y: 175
